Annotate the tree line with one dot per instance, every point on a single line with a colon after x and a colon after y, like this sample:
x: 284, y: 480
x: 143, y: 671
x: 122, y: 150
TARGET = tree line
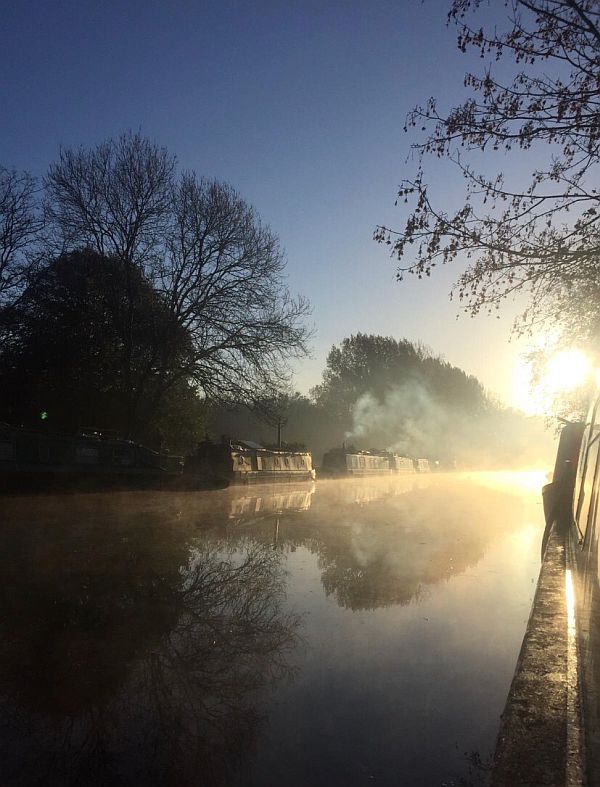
x: 131, y: 293
x: 152, y: 302
x: 378, y: 392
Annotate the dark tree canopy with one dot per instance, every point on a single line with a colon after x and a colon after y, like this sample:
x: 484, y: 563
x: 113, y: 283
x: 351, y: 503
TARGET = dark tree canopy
x: 64, y: 355
x: 364, y: 363
x: 376, y: 365
x: 384, y: 393
x: 537, y: 230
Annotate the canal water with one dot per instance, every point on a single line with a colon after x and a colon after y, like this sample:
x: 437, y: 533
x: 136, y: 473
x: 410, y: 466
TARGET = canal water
x: 358, y: 632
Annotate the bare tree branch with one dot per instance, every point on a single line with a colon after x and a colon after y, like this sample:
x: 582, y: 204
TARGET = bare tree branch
x: 20, y: 224
x: 514, y: 237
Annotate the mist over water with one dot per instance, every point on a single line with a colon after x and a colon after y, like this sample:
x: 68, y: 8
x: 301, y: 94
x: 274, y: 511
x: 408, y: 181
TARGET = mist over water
x: 410, y: 421
x: 332, y: 634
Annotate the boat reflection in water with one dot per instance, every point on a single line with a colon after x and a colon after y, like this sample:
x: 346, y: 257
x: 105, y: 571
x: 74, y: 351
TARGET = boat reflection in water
x: 267, y: 503
x: 279, y: 634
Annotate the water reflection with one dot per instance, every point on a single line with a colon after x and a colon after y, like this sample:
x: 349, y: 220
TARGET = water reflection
x: 147, y: 638
x: 266, y: 502
x: 391, y: 552
x: 132, y: 651
x: 385, y: 543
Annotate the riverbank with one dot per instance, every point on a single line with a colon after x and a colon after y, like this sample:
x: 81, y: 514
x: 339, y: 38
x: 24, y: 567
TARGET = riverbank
x: 540, y: 738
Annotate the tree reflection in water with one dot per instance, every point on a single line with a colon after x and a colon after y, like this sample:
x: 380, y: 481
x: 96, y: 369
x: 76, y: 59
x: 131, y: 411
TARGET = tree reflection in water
x: 132, y: 653
x: 391, y: 552
x: 383, y: 543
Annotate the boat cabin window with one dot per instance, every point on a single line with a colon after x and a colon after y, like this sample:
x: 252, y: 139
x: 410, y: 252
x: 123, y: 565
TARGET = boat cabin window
x: 591, y: 430
x: 7, y: 450
x: 86, y: 454
x: 588, y: 486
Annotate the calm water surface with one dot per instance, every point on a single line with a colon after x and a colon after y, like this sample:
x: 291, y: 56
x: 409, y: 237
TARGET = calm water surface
x: 356, y: 633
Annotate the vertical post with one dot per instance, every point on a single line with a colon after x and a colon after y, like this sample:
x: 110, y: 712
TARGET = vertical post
x: 279, y: 433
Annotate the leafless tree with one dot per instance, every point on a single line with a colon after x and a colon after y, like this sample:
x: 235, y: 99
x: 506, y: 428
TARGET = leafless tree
x: 223, y: 277
x: 114, y: 198
x: 20, y: 224
x: 216, y: 266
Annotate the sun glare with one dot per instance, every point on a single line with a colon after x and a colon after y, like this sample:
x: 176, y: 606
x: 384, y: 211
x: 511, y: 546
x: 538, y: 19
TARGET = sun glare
x: 564, y: 371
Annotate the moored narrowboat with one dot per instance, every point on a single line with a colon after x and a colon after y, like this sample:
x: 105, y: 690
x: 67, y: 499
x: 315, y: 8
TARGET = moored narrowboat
x: 422, y: 465
x: 555, y: 692
x: 32, y: 459
x: 245, y: 462
x: 342, y: 462
x: 402, y: 464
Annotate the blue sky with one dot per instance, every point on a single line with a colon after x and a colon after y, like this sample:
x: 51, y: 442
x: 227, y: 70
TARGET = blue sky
x: 299, y: 105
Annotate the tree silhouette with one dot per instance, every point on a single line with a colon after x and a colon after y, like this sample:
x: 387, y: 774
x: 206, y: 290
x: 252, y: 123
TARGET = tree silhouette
x: 387, y: 393
x: 223, y: 279
x: 114, y: 198
x: 20, y: 225
x: 223, y: 321
x: 538, y: 233
x: 365, y: 363
x: 65, y: 347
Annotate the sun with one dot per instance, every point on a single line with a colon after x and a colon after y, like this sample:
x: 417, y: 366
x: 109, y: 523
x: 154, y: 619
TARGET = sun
x: 564, y: 371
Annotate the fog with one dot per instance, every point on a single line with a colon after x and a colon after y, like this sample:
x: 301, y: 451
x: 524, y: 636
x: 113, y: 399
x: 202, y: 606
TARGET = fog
x: 297, y: 635
x: 409, y: 421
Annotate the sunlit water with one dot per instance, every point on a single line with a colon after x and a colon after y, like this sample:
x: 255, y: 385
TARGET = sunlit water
x: 356, y: 632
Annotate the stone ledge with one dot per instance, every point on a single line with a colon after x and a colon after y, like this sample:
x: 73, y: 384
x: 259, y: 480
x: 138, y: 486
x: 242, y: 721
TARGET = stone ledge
x: 531, y: 749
